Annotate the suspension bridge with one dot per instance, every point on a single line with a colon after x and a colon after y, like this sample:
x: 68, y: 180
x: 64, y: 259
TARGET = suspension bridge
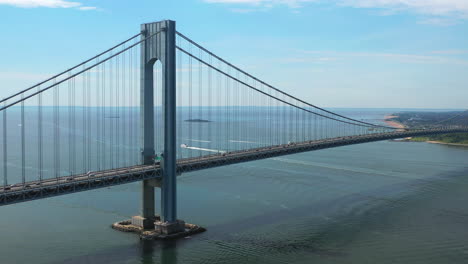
x: 152, y: 107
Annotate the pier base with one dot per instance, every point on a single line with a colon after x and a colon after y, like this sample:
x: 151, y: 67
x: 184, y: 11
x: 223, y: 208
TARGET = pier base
x: 168, y: 228
x: 159, y: 230
x: 142, y: 222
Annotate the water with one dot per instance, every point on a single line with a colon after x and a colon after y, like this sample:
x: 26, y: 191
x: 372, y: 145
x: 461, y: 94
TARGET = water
x: 383, y: 202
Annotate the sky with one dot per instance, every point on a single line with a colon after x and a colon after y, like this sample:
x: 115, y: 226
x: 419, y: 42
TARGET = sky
x: 332, y: 53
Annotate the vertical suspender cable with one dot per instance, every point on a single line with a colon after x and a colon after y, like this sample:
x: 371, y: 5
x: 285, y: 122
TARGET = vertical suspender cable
x: 226, y: 83
x: 238, y: 111
x: 200, y: 96
x: 190, y: 100
x: 209, y: 102
x: 83, y: 113
x: 297, y: 132
x: 130, y: 106
x: 121, y: 112
x: 122, y: 130
x: 270, y: 119
x: 136, y: 99
x: 57, y: 135
x: 117, y: 110
x: 303, y: 124
x: 179, y: 93
x: 111, y: 113
x: 136, y: 103
x: 309, y: 125
x: 5, y: 149
x: 39, y: 134
x: 73, y: 130
x: 70, y: 131
x: 88, y: 120
x: 218, y: 108
x: 277, y: 120
x: 98, y: 116
x: 23, y: 144
x: 103, y: 118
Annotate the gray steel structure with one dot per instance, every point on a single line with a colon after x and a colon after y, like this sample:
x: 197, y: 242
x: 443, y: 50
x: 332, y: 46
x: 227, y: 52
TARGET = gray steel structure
x: 65, y: 185
x: 161, y: 47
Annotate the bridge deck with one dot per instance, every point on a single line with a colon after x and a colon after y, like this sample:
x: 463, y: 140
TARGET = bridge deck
x: 69, y: 184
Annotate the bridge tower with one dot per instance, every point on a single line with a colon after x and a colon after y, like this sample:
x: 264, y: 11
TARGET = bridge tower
x: 160, y: 47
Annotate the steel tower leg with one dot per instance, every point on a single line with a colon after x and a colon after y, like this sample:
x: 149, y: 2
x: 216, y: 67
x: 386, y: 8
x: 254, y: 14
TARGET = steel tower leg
x: 169, y: 223
x: 169, y: 185
x: 147, y: 130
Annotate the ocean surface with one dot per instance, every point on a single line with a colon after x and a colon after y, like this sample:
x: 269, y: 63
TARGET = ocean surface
x: 382, y: 202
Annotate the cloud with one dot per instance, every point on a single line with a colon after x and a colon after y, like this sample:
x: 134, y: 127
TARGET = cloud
x: 441, y: 57
x: 28, y: 76
x: 450, y: 52
x: 438, y: 21
x: 444, y: 8
x: 46, y: 3
x: 87, y: 8
x: 314, y: 59
x: 441, y: 12
x: 264, y: 3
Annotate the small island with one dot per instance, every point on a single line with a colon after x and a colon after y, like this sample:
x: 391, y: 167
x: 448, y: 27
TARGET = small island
x: 198, y: 120
x: 421, y: 120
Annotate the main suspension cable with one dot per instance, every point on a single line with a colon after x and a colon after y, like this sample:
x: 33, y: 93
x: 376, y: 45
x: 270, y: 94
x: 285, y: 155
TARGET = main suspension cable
x: 262, y: 92
x: 78, y: 73
x: 70, y: 69
x: 274, y: 88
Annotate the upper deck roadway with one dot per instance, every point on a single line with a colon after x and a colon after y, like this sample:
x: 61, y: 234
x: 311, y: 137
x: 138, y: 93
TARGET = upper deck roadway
x: 69, y: 184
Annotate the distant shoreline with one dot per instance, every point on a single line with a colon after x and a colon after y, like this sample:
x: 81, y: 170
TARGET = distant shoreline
x: 443, y: 143
x: 411, y: 139
x: 388, y: 120
x: 198, y: 121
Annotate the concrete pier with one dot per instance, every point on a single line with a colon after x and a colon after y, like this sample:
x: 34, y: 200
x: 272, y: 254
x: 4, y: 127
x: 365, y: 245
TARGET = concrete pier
x: 168, y: 228
x: 162, y: 230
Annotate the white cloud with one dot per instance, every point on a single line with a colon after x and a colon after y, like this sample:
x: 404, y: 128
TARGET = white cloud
x: 450, y: 52
x: 438, y: 21
x: 427, y: 7
x: 23, y: 76
x: 440, y: 12
x: 87, y: 8
x: 264, y: 3
x: 46, y: 3
x: 441, y: 57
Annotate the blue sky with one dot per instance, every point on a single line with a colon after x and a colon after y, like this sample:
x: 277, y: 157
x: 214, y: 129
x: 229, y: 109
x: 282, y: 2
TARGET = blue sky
x: 335, y: 53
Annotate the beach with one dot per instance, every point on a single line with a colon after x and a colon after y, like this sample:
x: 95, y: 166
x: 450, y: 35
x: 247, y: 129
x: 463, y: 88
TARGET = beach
x: 388, y: 120
x: 443, y: 143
